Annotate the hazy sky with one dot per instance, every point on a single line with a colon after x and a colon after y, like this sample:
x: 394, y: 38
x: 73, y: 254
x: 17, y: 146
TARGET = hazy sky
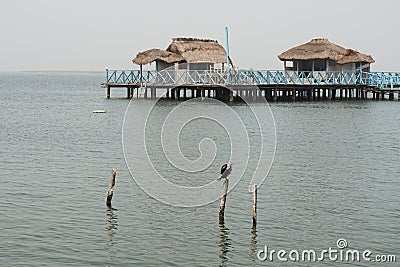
x: 93, y: 34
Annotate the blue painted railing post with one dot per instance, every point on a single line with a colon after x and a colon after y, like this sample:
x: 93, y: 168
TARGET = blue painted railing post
x: 227, y: 55
x: 106, y: 74
x: 141, y: 75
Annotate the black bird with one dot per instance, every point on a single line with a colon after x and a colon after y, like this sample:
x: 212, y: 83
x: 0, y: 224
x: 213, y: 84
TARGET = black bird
x: 225, y: 171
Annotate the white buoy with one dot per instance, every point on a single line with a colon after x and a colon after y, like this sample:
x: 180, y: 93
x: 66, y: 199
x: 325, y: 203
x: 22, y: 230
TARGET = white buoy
x: 99, y: 111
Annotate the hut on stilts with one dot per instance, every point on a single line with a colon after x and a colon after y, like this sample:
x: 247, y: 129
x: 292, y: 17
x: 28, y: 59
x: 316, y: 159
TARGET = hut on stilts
x: 185, y: 53
x: 322, y: 55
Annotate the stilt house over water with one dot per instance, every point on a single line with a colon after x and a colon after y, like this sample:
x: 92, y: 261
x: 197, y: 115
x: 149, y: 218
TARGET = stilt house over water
x: 322, y: 55
x: 185, y: 53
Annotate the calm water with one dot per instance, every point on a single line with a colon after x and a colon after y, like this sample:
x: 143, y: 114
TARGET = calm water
x: 336, y: 175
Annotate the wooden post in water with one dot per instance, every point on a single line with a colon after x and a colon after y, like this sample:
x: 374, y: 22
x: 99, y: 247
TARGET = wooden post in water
x: 108, y: 91
x: 254, y: 205
x: 111, y: 188
x: 223, y: 200
x: 145, y: 93
x: 184, y: 93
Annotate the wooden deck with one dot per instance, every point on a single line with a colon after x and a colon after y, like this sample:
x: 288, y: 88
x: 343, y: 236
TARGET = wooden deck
x: 271, y: 85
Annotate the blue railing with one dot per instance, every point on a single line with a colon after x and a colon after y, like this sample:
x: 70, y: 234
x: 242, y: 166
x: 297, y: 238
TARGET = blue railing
x: 253, y: 77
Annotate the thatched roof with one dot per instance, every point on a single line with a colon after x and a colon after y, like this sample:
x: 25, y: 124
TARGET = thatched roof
x: 151, y: 55
x: 353, y: 56
x: 323, y: 49
x: 196, y: 50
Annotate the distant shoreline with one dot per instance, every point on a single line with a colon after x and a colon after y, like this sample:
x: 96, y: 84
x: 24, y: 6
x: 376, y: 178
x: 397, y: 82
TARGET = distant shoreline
x: 64, y: 71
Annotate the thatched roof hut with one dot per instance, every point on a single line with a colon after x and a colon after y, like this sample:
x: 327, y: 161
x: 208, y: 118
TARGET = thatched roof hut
x: 145, y: 57
x: 323, y: 49
x: 196, y: 53
x: 195, y: 50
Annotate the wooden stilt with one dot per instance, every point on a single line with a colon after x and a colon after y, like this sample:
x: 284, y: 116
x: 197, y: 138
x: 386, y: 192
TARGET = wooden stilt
x: 223, y: 200
x: 254, y: 205
x: 230, y: 96
x: 108, y: 91
x: 111, y: 187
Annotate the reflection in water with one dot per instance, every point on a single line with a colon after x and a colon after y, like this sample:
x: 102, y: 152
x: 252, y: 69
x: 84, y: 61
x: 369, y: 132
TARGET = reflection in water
x: 224, y: 243
x: 253, y: 243
x: 112, y: 229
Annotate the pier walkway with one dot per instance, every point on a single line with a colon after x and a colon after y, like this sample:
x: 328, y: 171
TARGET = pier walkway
x: 274, y: 85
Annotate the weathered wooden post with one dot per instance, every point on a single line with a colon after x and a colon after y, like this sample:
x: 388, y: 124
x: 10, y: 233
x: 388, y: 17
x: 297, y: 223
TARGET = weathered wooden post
x: 108, y: 91
x: 275, y: 97
x: 111, y: 187
x: 223, y: 200
x: 254, y: 205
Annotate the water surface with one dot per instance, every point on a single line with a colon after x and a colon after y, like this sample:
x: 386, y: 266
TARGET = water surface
x: 335, y: 175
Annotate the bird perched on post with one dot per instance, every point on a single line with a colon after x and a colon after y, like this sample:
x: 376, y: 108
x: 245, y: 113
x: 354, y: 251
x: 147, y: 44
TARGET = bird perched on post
x: 225, y: 171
